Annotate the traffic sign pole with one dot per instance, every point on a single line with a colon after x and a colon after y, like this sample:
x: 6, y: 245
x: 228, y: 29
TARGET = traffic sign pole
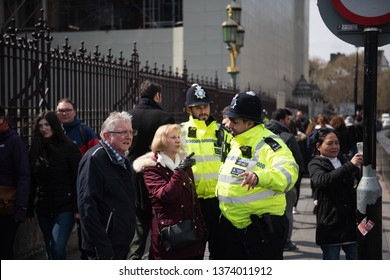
x: 369, y: 192
x: 367, y: 25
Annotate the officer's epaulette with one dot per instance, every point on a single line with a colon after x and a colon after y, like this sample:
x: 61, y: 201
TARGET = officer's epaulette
x: 272, y: 143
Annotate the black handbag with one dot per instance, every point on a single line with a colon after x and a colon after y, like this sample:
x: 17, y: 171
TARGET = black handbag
x: 176, y: 236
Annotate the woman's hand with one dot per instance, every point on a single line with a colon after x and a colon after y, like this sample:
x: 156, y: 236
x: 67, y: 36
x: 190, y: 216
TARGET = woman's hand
x: 357, y: 159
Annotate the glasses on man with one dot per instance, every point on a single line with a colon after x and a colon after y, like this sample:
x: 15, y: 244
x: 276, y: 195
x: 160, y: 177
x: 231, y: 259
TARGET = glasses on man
x: 62, y: 111
x: 125, y: 132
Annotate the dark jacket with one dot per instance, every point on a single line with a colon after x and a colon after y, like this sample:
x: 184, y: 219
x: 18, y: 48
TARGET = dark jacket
x: 336, y: 195
x: 171, y: 194
x: 14, y: 170
x: 287, y: 137
x: 106, y: 203
x: 81, y: 134
x: 53, y: 185
x: 148, y: 116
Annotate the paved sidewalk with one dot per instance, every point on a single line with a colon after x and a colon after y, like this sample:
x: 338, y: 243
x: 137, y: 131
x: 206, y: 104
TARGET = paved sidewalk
x: 305, y: 223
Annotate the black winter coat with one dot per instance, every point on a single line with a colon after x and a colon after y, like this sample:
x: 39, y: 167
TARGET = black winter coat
x: 336, y: 195
x: 15, y: 170
x: 288, y: 138
x: 106, y: 203
x: 53, y: 185
x: 148, y: 116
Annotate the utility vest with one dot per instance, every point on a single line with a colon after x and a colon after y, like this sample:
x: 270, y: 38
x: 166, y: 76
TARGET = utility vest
x: 264, y: 153
x: 202, y: 139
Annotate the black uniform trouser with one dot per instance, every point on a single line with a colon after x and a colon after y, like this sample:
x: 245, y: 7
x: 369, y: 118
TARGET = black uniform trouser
x: 211, y: 213
x: 254, y: 242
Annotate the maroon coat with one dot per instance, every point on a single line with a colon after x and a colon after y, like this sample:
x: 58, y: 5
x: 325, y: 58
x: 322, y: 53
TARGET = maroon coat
x: 170, y: 193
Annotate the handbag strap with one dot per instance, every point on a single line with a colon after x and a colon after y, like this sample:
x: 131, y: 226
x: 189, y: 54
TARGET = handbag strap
x: 192, y: 186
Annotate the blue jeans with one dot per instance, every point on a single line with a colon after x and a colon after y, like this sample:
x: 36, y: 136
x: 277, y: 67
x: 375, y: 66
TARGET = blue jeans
x: 332, y: 252
x: 56, y: 231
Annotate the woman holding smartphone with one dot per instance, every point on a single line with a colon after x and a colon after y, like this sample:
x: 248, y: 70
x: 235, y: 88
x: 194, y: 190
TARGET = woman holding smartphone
x: 333, y: 177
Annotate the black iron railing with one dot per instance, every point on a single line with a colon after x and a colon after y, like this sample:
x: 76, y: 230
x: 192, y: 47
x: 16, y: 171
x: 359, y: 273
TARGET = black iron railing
x: 34, y: 75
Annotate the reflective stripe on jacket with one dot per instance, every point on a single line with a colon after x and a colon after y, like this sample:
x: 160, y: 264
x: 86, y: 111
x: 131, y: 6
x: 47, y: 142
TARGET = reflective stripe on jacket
x: 201, y: 139
x: 276, y: 170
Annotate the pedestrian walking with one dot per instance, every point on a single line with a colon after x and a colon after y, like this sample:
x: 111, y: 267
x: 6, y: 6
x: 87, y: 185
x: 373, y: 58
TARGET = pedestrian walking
x: 54, y: 161
x: 280, y: 126
x: 106, y: 193
x: 81, y: 134
x: 14, y: 185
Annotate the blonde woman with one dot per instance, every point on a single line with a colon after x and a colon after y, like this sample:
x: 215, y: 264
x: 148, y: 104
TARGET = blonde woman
x: 169, y: 181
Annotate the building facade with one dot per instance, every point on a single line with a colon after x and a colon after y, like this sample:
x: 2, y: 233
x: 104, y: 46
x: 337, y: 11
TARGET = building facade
x: 273, y: 58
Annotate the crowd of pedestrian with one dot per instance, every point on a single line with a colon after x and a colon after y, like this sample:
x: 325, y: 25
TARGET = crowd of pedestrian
x: 232, y: 185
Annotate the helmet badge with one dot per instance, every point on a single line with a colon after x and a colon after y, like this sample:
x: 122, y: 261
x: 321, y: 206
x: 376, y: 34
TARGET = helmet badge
x: 234, y: 102
x: 199, y: 92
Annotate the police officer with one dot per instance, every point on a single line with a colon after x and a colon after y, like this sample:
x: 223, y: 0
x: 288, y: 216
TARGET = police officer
x: 258, y: 171
x: 202, y: 135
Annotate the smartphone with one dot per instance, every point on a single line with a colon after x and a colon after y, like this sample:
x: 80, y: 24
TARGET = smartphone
x: 359, y: 147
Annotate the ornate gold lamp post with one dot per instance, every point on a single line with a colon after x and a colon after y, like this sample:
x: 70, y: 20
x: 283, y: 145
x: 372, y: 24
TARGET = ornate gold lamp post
x: 233, y: 36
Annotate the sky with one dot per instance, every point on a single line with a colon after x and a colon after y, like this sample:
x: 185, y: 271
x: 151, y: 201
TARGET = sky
x: 322, y: 42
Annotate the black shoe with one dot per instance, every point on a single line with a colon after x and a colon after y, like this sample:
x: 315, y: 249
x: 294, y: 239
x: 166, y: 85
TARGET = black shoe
x: 290, y: 246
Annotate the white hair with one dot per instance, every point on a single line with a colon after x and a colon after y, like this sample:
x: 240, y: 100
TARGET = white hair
x: 109, y: 123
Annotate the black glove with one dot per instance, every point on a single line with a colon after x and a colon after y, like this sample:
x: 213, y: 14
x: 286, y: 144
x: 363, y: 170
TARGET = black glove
x: 187, y: 162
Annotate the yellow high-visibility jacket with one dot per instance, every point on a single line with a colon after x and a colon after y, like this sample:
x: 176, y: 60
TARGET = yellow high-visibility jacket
x: 201, y: 139
x: 274, y: 166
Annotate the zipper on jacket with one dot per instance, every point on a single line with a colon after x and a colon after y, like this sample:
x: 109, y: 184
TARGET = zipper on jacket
x: 109, y: 220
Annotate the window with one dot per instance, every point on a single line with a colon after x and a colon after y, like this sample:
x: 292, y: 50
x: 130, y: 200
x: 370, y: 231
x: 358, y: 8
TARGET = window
x: 88, y: 15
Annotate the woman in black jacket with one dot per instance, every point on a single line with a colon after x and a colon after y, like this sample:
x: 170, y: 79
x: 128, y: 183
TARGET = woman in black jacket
x: 54, y: 160
x: 333, y: 178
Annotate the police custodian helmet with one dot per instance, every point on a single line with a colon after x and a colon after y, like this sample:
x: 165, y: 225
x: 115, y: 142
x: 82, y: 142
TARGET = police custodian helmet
x: 246, y: 106
x: 197, y: 96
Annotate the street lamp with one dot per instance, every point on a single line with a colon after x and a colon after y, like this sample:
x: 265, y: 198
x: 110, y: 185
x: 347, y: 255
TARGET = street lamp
x: 233, y: 36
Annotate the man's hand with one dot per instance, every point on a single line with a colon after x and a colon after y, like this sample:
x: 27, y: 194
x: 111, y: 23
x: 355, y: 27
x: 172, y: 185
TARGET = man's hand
x: 250, y: 179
